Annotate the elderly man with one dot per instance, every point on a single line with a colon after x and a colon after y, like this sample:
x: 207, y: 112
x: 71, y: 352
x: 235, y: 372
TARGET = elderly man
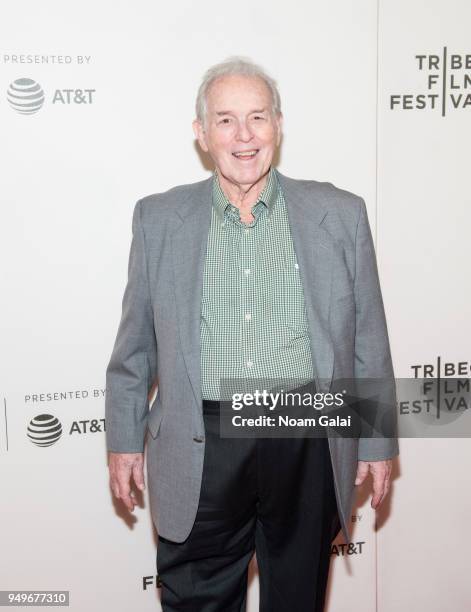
x: 248, y: 274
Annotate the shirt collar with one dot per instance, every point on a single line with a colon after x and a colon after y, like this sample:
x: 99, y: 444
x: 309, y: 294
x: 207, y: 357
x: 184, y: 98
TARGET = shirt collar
x: 267, y: 197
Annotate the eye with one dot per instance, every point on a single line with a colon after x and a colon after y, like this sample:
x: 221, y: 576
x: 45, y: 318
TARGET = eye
x: 259, y: 117
x: 225, y: 120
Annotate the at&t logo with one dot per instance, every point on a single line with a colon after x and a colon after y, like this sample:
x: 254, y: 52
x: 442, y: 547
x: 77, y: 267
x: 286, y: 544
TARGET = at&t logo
x: 44, y: 430
x: 25, y: 96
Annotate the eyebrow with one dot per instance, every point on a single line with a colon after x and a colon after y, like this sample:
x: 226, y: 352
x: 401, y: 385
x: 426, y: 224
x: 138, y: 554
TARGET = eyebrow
x: 229, y: 112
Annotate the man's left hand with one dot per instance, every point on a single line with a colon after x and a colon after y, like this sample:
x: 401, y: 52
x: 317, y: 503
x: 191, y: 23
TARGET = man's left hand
x: 381, y: 471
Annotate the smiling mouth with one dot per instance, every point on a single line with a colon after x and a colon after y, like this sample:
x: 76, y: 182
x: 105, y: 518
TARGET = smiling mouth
x: 245, y: 155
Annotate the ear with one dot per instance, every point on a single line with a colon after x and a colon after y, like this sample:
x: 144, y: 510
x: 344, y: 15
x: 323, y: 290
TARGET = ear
x: 279, y: 122
x: 200, y: 135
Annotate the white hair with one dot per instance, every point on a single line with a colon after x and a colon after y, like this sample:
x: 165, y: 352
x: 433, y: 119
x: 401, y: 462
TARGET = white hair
x: 235, y: 65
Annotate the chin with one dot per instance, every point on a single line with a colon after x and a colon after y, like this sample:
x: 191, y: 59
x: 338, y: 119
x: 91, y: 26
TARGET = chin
x: 249, y: 175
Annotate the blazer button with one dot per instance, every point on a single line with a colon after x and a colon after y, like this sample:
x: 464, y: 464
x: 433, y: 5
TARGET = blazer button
x: 198, y: 439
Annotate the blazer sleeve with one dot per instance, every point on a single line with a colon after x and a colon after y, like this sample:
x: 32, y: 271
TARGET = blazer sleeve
x: 132, y: 366
x: 372, y: 358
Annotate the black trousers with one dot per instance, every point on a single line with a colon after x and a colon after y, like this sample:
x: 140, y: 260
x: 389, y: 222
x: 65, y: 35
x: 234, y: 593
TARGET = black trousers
x: 271, y: 496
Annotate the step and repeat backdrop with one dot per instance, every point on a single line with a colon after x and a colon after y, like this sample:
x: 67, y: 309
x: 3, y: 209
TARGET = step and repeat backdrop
x: 376, y: 97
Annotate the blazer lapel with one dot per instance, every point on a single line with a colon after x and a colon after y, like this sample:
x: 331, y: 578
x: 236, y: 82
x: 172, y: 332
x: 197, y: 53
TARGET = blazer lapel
x: 313, y: 246
x: 189, y: 253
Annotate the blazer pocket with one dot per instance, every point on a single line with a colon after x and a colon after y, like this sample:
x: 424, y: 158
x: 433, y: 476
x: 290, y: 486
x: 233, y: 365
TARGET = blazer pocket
x: 154, y: 420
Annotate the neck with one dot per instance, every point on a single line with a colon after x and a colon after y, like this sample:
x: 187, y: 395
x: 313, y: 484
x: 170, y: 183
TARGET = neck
x: 243, y: 196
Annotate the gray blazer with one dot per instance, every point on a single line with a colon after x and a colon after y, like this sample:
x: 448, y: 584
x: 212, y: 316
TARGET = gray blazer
x: 159, y: 335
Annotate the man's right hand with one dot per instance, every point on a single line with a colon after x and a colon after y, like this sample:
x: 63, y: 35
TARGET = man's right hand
x: 123, y: 467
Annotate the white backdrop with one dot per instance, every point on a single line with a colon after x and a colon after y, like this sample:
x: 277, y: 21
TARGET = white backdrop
x: 119, y: 80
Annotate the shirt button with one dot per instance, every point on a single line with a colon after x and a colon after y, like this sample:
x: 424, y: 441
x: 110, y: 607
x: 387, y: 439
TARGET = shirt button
x: 249, y: 364
x: 246, y: 230
x: 247, y: 271
x: 248, y: 316
x: 296, y: 266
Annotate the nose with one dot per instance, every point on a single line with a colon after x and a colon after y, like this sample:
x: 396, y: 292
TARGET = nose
x: 243, y: 132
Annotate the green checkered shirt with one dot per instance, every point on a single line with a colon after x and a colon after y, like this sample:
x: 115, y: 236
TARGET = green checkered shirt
x: 253, y: 316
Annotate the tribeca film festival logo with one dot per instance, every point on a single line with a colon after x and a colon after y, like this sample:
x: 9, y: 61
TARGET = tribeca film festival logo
x: 444, y: 391
x: 27, y: 97
x: 445, y: 85
x: 46, y: 429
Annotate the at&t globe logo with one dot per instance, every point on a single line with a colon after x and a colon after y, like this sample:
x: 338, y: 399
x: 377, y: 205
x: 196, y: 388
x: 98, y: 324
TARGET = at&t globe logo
x: 44, y: 430
x: 25, y: 96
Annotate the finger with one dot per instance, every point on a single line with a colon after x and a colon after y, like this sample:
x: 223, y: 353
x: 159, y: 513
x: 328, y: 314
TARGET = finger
x: 128, y: 498
x: 129, y: 502
x: 120, y: 474
x: 376, y: 499
x: 379, y: 489
x: 362, y: 472
x: 138, y: 475
x: 114, y: 484
x: 387, y: 484
x: 383, y: 496
x: 124, y: 489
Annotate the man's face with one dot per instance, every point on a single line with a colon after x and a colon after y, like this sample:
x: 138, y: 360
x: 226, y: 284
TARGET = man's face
x: 241, y: 133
